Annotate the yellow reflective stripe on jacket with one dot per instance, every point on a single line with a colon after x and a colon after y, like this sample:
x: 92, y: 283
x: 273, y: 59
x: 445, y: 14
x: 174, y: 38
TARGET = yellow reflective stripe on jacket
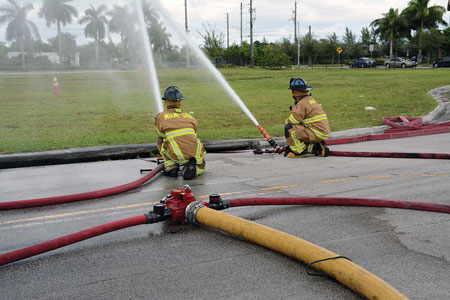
x: 180, y: 132
x: 323, y: 136
x: 292, y: 119
x: 176, y: 149
x: 170, y: 137
x: 315, y: 119
x: 318, y: 118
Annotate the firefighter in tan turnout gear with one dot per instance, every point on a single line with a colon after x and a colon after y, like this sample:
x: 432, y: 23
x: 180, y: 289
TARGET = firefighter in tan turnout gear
x: 177, y: 138
x: 307, y: 127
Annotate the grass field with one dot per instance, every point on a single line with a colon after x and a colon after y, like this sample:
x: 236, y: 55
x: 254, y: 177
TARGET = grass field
x: 108, y: 108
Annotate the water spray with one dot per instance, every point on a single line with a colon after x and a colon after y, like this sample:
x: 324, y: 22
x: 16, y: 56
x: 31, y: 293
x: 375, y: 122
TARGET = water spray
x: 215, y: 72
x: 153, y: 78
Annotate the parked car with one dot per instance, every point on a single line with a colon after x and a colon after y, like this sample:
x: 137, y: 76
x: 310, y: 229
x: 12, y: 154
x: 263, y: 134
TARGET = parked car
x: 443, y: 62
x: 399, y: 62
x: 362, y: 62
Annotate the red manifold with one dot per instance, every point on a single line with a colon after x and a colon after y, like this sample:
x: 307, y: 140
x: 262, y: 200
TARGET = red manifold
x: 177, y: 204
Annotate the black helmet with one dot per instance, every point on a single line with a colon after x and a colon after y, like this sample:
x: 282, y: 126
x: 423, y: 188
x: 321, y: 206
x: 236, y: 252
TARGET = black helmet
x: 173, y: 93
x: 299, y: 84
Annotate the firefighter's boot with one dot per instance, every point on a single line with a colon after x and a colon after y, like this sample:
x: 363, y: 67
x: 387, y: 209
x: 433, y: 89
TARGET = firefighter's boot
x: 300, y: 155
x: 321, y: 149
x: 190, y: 170
x: 173, y: 172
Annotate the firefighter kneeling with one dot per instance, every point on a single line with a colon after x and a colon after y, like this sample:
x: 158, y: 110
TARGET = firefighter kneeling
x: 177, y: 138
x: 307, y: 127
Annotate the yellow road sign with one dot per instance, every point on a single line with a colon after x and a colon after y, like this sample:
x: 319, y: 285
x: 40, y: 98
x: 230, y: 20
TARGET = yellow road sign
x: 339, y: 50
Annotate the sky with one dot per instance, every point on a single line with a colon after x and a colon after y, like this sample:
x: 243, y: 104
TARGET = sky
x: 273, y: 19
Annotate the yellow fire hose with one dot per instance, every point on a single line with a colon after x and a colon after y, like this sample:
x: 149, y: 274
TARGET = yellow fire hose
x: 343, y: 270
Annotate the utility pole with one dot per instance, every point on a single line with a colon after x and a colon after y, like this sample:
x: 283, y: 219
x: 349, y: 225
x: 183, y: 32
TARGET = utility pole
x: 187, y: 32
x: 298, y: 45
x: 295, y: 22
x: 251, y: 34
x: 228, y: 31
x: 310, y: 40
x: 241, y: 23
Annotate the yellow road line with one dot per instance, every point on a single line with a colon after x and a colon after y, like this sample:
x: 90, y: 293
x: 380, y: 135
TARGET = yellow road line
x: 81, y: 212
x: 250, y: 192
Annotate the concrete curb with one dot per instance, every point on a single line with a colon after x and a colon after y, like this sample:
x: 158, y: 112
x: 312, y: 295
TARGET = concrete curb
x: 89, y: 154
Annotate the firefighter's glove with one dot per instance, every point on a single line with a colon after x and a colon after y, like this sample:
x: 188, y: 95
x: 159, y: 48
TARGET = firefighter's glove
x: 286, y: 130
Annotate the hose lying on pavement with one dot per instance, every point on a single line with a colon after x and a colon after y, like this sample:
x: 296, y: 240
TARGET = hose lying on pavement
x: 81, y: 196
x: 395, y: 134
x: 69, y: 239
x: 340, y: 201
x: 225, y: 203
x: 338, y: 267
x: 391, y: 154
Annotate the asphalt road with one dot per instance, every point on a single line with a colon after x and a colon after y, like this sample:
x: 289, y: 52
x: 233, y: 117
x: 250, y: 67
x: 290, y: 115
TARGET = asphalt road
x: 408, y: 249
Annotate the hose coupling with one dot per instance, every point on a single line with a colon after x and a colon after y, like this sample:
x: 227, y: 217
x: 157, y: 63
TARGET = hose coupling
x: 216, y: 202
x: 160, y: 213
x: 163, y: 200
x: 191, y: 211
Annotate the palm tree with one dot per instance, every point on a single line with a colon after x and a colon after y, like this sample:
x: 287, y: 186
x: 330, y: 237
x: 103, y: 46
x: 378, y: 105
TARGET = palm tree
x: 95, y: 28
x: 391, y: 27
x: 149, y: 12
x: 160, y: 39
x: 19, y: 28
x: 57, y: 11
x: 121, y: 23
x: 333, y: 41
x: 156, y: 30
x: 350, y: 43
x: 420, y: 16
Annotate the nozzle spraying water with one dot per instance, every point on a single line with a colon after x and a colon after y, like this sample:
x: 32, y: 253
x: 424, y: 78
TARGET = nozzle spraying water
x: 268, y: 137
x: 218, y: 76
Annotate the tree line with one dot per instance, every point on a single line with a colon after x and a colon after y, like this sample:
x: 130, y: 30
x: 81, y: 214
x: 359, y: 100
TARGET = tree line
x: 99, y: 23
x: 413, y: 31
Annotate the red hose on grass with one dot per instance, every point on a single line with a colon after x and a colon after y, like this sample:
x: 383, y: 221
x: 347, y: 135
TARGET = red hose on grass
x: 80, y: 196
x: 69, y: 239
x: 415, y: 205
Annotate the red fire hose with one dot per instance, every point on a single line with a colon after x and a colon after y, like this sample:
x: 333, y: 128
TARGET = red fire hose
x: 408, y: 129
x: 148, y: 218
x: 80, y: 196
x: 216, y: 203
x: 415, y: 205
x: 23, y: 253
x: 391, y: 154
